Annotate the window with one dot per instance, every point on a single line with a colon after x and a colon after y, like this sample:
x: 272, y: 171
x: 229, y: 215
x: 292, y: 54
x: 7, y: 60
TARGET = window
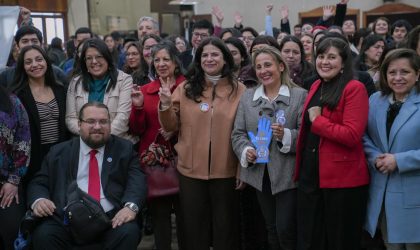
x: 50, y: 24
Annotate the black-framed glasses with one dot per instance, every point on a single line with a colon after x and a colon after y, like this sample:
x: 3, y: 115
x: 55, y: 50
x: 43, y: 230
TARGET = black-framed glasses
x: 202, y: 35
x: 89, y: 59
x: 93, y: 122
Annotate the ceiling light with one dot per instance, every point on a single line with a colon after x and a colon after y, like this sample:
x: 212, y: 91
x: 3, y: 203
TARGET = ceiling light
x: 183, y: 2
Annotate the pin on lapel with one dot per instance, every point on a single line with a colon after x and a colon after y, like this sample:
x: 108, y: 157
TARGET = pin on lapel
x: 109, y: 159
x: 204, y: 107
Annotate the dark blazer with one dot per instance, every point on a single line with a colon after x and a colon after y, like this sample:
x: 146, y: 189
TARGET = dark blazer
x: 121, y: 177
x: 186, y: 58
x: 38, y: 152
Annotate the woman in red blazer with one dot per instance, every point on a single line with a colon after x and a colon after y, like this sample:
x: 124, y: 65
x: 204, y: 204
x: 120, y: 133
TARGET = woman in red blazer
x: 331, y: 168
x: 144, y: 122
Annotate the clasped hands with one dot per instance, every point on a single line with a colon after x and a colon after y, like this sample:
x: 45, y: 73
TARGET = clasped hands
x: 386, y: 163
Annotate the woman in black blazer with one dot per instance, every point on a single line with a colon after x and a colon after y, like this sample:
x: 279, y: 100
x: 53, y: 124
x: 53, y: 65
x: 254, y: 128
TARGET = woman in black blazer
x: 45, y: 102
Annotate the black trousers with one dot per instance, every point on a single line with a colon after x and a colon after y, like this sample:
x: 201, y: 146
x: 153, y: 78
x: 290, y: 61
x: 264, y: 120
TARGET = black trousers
x: 211, y: 212
x: 10, y: 218
x: 252, y: 227
x: 331, y: 219
x: 160, y: 209
x: 279, y: 212
x: 51, y: 234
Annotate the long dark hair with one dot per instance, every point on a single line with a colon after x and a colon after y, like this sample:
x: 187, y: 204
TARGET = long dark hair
x: 334, y: 89
x: 5, y: 102
x: 237, y: 43
x: 21, y: 79
x: 196, y: 78
x: 86, y: 77
x: 368, y: 42
x: 307, y: 69
x: 143, y: 72
x: 413, y: 38
x: 173, y: 53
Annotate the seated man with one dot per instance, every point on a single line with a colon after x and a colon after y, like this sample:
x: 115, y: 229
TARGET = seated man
x: 106, y: 167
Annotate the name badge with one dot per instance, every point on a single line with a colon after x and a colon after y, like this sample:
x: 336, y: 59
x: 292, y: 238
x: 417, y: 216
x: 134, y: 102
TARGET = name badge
x: 280, y: 117
x: 204, y: 107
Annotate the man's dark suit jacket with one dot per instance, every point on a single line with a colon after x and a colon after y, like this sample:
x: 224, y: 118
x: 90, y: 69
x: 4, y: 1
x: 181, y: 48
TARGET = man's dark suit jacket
x: 186, y: 59
x: 121, y: 177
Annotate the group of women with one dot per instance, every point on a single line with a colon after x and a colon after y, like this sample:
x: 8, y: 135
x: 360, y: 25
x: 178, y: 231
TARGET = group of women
x: 338, y: 161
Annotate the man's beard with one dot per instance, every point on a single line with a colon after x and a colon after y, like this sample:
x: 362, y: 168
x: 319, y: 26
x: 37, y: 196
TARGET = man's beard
x: 95, y: 143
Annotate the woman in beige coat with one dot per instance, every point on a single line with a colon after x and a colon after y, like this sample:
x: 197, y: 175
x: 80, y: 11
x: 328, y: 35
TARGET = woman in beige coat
x: 203, y: 110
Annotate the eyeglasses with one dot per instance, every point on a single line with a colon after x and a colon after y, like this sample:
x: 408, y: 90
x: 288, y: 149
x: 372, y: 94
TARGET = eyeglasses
x: 249, y: 38
x: 98, y: 58
x: 131, y: 54
x: 93, y: 122
x: 202, y: 35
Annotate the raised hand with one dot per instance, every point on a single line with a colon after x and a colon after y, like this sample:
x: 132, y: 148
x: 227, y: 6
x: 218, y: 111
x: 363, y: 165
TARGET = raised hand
x: 262, y: 140
x: 137, y: 97
x: 218, y: 13
x: 328, y: 12
x: 8, y: 192
x: 25, y: 14
x: 284, y: 12
x: 268, y: 9
x: 165, y: 91
x: 238, y: 18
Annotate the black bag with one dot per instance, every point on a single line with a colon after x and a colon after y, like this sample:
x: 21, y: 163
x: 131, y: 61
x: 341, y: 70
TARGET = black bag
x: 84, y: 216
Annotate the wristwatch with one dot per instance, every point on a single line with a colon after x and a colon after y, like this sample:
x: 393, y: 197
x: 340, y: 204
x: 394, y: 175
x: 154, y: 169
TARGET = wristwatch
x: 132, y: 206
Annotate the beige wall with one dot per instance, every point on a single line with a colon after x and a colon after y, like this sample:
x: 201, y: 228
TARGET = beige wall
x: 253, y: 11
x: 125, y: 13
x: 77, y: 15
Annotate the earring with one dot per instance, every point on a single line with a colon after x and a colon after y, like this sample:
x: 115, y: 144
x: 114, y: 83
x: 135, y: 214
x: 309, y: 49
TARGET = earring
x: 342, y: 71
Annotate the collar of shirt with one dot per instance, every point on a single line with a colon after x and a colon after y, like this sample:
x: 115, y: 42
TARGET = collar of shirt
x: 391, y: 99
x: 85, y: 149
x: 259, y: 92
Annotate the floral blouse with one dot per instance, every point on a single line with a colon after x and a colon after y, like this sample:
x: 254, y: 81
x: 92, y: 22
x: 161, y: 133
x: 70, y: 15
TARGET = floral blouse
x: 15, y: 143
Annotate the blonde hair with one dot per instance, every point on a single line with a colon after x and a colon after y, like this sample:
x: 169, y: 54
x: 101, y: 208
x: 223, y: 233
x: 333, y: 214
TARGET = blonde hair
x: 276, y: 55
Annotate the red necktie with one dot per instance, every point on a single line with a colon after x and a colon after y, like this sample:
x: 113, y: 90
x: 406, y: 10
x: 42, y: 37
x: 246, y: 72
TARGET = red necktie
x: 94, y: 183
